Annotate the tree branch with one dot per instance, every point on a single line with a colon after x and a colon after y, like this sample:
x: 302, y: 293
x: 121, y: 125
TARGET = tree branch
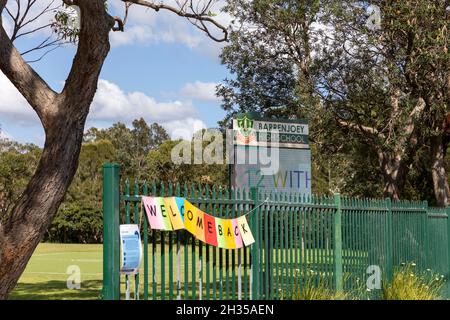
x: 200, y: 15
x: 361, y: 128
x: 32, y: 87
x: 2, y: 6
x: 122, y: 22
x: 93, y: 47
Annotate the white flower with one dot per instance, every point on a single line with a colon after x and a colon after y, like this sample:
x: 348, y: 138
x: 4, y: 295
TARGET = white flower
x: 413, y: 264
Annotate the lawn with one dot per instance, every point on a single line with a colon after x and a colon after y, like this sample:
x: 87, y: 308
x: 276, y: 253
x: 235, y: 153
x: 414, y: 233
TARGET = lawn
x: 45, y: 276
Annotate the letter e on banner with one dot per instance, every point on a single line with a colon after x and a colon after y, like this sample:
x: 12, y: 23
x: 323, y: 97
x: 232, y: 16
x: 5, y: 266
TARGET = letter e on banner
x: 161, y: 206
x: 210, y: 230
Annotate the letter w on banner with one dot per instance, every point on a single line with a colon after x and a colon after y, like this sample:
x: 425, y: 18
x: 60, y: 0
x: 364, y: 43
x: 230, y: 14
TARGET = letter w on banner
x: 154, y: 216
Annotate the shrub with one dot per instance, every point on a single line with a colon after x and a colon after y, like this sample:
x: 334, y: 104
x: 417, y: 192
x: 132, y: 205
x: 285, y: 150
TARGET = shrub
x: 314, y: 287
x: 409, y: 284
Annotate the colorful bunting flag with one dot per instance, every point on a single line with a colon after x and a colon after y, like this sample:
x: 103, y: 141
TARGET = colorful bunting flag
x: 190, y: 217
x: 176, y: 213
x: 200, y: 225
x: 229, y: 234
x: 221, y: 242
x: 210, y: 230
x: 180, y: 203
x: 244, y: 229
x: 154, y: 218
x: 161, y: 206
x: 237, y: 234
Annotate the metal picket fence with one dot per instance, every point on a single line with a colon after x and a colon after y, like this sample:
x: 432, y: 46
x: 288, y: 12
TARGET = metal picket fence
x: 334, y: 242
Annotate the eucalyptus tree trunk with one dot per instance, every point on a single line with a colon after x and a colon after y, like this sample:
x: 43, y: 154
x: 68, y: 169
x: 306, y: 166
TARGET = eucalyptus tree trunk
x: 63, y: 116
x: 438, y: 151
x: 394, y: 171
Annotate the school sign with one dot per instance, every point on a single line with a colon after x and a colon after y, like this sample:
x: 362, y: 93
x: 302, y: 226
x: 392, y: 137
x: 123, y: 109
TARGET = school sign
x: 271, y: 154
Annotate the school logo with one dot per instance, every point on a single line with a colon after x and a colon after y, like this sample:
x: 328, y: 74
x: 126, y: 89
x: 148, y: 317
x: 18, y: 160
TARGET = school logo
x: 245, y: 125
x: 246, y: 133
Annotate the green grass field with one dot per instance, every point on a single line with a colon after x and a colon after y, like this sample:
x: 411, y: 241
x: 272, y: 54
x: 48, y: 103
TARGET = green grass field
x: 45, y: 276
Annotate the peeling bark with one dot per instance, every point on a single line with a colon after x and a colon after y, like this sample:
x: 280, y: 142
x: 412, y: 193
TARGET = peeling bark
x: 438, y: 151
x: 394, y: 173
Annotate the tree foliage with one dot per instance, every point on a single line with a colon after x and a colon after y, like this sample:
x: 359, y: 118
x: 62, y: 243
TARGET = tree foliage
x: 375, y: 95
x: 142, y: 150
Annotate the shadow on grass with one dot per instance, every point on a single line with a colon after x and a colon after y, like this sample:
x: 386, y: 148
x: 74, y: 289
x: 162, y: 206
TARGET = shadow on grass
x: 57, y: 290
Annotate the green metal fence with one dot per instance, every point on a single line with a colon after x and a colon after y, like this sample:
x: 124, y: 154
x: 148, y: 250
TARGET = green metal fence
x: 331, y: 241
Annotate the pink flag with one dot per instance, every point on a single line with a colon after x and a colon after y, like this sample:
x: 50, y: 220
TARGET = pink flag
x: 153, y: 214
x: 237, y: 234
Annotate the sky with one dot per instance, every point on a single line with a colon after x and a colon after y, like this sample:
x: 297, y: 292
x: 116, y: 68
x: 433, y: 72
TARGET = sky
x: 161, y: 68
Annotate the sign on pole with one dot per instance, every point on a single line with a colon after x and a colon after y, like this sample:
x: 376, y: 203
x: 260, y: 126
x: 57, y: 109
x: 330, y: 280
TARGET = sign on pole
x: 271, y: 154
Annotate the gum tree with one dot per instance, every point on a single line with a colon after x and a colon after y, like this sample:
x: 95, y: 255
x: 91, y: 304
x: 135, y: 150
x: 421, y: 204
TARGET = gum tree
x: 380, y: 82
x: 63, y: 115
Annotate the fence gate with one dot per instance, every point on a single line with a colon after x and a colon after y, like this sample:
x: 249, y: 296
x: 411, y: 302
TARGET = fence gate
x: 300, y: 242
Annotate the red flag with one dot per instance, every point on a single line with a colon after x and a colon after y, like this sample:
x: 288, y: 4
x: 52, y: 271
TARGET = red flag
x: 210, y: 230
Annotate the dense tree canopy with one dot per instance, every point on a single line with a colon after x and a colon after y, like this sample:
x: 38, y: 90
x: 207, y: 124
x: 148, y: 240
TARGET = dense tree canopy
x: 144, y: 153
x: 376, y: 95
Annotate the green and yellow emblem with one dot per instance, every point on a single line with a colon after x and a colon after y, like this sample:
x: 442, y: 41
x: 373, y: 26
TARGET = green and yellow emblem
x: 245, y: 125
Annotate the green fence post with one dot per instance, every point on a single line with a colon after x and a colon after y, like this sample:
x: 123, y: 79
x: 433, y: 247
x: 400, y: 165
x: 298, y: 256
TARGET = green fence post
x: 426, y: 246
x: 111, y: 241
x: 389, y: 242
x: 255, y: 246
x: 337, y: 244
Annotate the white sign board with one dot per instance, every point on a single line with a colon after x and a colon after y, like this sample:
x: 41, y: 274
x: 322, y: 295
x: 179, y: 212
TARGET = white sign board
x: 131, y: 248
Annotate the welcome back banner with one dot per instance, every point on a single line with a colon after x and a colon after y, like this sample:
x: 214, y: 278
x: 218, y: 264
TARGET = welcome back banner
x: 175, y: 213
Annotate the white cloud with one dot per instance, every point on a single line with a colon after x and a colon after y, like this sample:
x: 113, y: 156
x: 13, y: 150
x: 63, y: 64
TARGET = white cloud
x: 133, y: 34
x: 184, y: 129
x: 205, y: 91
x: 111, y: 103
x: 14, y: 107
x: 5, y: 135
x: 145, y: 26
x: 41, y: 12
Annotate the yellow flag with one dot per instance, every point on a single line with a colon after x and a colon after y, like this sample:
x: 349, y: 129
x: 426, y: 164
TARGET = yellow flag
x: 200, y: 225
x: 174, y: 213
x: 190, y: 217
x: 245, y: 231
x: 229, y: 235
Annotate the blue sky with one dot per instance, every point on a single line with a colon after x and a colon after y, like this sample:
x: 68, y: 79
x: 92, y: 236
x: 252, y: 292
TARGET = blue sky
x: 161, y: 68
